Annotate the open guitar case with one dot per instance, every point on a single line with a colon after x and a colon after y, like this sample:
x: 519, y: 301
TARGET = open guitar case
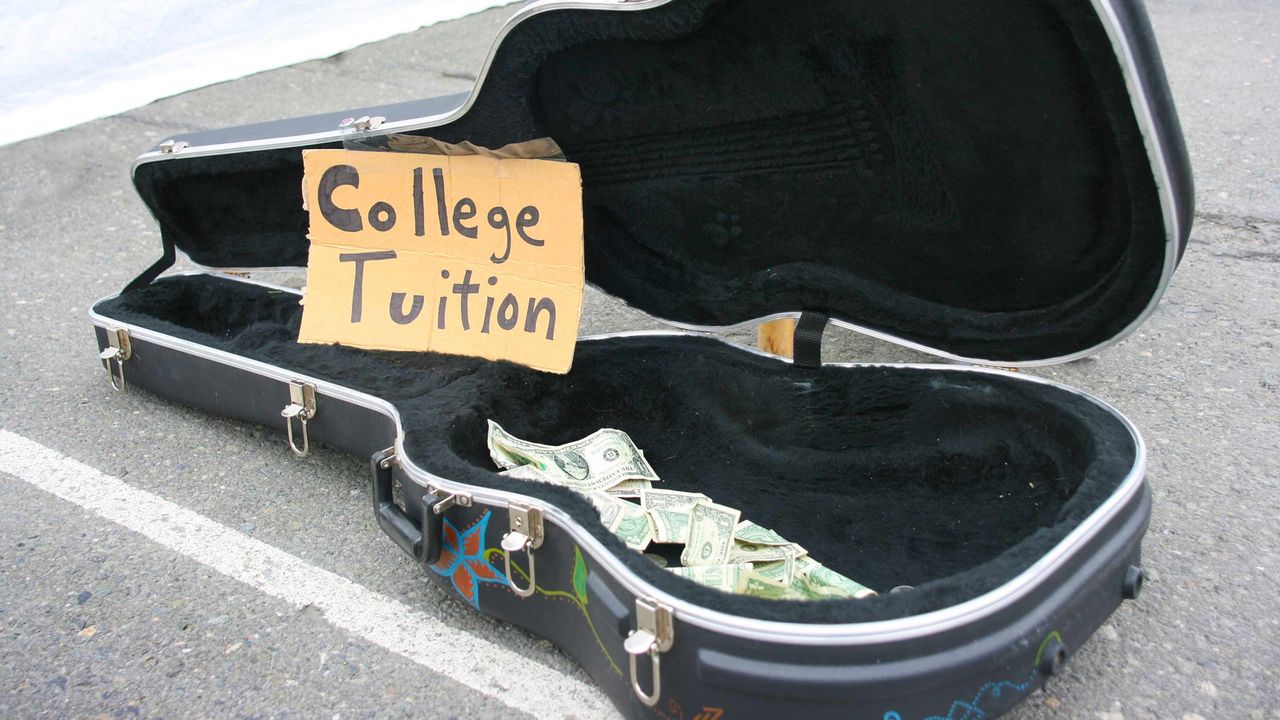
x: 998, y: 183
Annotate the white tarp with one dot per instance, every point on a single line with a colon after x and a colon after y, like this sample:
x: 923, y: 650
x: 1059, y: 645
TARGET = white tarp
x: 65, y: 62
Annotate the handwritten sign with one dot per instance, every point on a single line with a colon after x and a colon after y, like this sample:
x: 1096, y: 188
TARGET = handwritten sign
x: 464, y: 254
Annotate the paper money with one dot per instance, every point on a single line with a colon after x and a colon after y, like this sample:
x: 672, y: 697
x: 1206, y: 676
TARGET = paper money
x: 630, y: 488
x: 631, y: 525
x: 746, y: 552
x: 528, y: 472
x: 607, y: 505
x: 772, y: 562
x: 599, y: 461
x: 721, y: 550
x: 761, y: 587
x: 673, y: 500
x: 779, y: 572
x: 669, y: 527
x: 728, y: 578
x: 710, y: 534
x: 669, y: 512
x: 749, y: 532
x: 800, y: 579
x: 822, y: 582
x: 501, y: 456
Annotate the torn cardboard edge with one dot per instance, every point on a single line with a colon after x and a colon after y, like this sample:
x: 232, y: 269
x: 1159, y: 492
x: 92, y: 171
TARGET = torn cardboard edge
x: 537, y: 149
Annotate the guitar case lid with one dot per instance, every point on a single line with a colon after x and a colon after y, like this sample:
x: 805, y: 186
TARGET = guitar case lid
x: 989, y: 181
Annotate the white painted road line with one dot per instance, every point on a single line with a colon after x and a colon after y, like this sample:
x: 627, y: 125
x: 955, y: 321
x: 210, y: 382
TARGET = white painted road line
x: 487, y: 668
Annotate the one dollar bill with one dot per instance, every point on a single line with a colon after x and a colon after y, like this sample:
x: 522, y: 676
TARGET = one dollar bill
x: 727, y: 578
x: 710, y: 534
x: 669, y: 512
x: 599, y: 461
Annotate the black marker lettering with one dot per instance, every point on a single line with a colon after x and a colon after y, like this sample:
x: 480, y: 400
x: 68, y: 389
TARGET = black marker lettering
x: 488, y: 306
x: 465, y: 210
x: 462, y: 290
x: 397, y: 308
x: 498, y: 220
x: 443, y: 299
x: 382, y: 216
x: 527, y: 218
x: 332, y: 179
x: 505, y: 322
x: 488, y: 313
x: 438, y: 177
x: 531, y: 317
x: 419, y: 221
x: 357, y: 288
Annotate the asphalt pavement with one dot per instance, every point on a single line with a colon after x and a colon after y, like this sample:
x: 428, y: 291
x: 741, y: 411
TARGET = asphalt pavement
x: 102, y: 616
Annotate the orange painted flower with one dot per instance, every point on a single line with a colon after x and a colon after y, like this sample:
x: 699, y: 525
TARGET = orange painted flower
x: 462, y: 560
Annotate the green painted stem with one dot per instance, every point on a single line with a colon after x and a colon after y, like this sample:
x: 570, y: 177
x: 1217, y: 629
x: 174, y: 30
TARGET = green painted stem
x: 560, y: 593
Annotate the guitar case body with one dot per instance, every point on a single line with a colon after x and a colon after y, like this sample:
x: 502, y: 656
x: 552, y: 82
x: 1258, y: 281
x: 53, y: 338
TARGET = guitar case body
x: 1000, y: 184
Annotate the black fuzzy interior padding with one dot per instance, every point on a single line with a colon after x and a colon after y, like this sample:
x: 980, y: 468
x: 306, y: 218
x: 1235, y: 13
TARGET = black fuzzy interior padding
x: 950, y: 480
x: 967, y: 176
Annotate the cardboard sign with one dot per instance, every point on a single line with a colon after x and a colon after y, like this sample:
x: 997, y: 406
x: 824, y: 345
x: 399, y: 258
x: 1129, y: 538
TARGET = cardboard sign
x: 467, y: 255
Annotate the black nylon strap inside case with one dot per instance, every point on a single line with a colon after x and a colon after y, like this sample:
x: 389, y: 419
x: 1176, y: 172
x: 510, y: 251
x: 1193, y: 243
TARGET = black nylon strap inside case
x: 807, y: 344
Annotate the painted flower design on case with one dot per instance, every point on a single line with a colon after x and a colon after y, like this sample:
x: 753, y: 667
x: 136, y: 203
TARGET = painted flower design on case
x: 462, y: 560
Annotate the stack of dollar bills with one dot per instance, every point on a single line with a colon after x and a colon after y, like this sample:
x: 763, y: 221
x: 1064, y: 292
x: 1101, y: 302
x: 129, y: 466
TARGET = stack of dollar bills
x: 721, y: 550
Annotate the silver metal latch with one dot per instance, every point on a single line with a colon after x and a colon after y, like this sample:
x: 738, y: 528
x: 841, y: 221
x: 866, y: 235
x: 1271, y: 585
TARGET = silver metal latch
x: 364, y: 122
x: 168, y: 147
x: 654, y: 634
x: 117, y: 351
x: 525, y: 534
x: 302, y: 405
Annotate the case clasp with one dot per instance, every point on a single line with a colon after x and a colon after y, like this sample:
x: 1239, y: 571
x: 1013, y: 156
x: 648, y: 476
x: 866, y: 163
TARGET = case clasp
x: 302, y: 405
x: 525, y: 534
x: 117, y: 351
x: 655, y: 633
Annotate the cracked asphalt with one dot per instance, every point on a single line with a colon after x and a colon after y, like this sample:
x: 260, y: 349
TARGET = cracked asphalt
x: 96, y: 621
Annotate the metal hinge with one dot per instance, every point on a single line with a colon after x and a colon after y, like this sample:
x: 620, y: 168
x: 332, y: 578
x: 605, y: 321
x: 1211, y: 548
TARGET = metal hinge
x: 302, y: 405
x: 655, y: 633
x: 526, y: 534
x: 117, y: 351
x: 449, y: 499
x: 389, y: 458
x: 362, y: 123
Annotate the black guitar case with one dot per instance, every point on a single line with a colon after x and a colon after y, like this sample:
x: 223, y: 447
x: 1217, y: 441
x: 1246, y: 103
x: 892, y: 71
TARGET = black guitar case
x: 998, y: 183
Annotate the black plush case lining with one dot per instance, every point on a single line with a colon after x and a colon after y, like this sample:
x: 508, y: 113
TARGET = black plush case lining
x: 951, y: 480
x: 970, y: 177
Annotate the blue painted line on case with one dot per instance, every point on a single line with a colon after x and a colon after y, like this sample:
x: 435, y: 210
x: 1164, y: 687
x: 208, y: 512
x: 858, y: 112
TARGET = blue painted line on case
x: 973, y: 710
